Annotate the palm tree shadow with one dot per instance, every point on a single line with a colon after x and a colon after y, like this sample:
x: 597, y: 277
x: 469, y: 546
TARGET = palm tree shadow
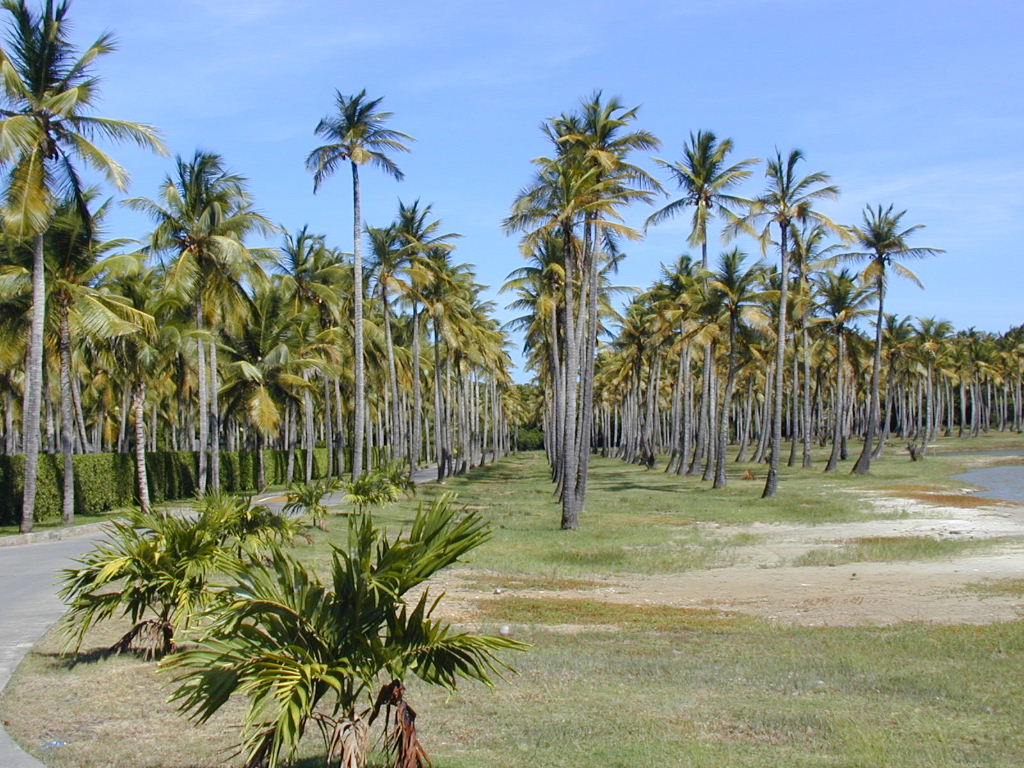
x: 71, y: 659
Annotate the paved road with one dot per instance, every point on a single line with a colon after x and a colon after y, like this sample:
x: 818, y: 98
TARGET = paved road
x: 29, y: 605
x: 28, y: 608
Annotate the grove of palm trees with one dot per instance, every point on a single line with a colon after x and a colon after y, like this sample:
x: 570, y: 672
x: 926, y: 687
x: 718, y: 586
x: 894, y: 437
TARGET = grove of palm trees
x: 299, y: 442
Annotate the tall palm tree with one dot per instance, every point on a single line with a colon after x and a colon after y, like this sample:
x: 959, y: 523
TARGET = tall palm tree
x: 576, y: 196
x: 705, y: 178
x: 203, y: 215
x: 787, y: 198
x: 737, y: 290
x: 811, y: 253
x: 79, y: 264
x: 884, y: 244
x: 45, y: 131
x: 842, y: 301
x: 357, y: 136
x: 932, y: 337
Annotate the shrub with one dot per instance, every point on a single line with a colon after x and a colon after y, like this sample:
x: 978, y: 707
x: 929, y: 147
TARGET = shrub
x: 305, y: 652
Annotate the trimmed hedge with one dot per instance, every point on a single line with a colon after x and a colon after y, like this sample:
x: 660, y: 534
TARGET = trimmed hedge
x: 105, y: 481
x: 530, y: 439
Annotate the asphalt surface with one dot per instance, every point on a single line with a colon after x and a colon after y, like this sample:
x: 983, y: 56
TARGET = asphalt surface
x: 29, y: 605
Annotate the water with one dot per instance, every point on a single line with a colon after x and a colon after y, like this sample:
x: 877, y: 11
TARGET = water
x: 1006, y: 482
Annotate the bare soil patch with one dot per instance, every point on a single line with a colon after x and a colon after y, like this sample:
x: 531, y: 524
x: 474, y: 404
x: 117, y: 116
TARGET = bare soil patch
x: 763, y: 582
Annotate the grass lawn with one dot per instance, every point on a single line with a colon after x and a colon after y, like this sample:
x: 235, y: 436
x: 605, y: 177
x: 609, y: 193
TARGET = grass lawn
x: 614, y: 684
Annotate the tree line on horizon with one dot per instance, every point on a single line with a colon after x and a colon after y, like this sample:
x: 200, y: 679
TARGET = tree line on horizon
x: 739, y: 351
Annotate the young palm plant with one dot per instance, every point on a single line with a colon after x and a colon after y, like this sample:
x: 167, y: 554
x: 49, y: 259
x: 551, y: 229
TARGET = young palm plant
x: 305, y: 652
x: 308, y: 498
x: 157, y: 570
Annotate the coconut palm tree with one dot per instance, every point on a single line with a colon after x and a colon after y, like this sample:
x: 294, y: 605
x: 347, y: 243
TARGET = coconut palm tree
x: 705, y: 178
x: 842, y: 300
x: 577, y: 196
x: 883, y: 242
x: 787, y: 198
x: 45, y: 133
x: 79, y: 263
x: 736, y: 289
x: 357, y: 136
x: 932, y: 335
x: 203, y: 215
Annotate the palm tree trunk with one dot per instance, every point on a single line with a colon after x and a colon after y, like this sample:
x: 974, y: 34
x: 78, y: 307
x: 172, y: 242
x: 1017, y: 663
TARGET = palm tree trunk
x: 395, y: 422
x: 67, y: 424
x: 840, y: 409
x: 570, y: 519
x: 33, y: 386
x: 772, y: 481
x: 587, y: 376
x: 863, y: 464
x: 723, y: 430
x: 307, y: 423
x: 440, y: 450
x: 214, y: 420
x: 357, y: 321
x: 676, y: 417
x: 141, y: 477
x: 416, y: 444
x: 204, y: 409
x: 806, y: 350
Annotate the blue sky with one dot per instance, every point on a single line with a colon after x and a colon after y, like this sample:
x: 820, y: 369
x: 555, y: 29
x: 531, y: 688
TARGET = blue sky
x: 915, y: 103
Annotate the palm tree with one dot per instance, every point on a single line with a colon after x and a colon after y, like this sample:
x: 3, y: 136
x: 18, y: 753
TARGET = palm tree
x: 705, y: 178
x: 44, y: 131
x: 736, y: 290
x: 78, y: 262
x: 842, y: 301
x: 787, y: 198
x: 932, y: 337
x: 203, y: 215
x: 358, y: 136
x: 576, y: 197
x: 884, y: 244
x: 810, y: 253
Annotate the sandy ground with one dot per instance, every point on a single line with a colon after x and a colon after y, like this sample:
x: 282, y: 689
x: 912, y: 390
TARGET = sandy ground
x: 760, y: 581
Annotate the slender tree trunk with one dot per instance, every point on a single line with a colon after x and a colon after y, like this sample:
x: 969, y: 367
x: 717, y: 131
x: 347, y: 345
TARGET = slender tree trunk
x: 723, y: 429
x: 67, y: 425
x: 204, y: 409
x: 33, y: 386
x: 570, y: 519
x: 863, y: 465
x: 807, y: 416
x: 141, y: 476
x: 416, y: 445
x: 214, y: 420
x: 840, y: 410
x: 396, y: 419
x: 307, y: 423
x: 772, y: 481
x: 357, y: 322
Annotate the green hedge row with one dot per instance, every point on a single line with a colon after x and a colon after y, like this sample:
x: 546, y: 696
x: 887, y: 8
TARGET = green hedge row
x: 105, y: 481
x: 530, y: 439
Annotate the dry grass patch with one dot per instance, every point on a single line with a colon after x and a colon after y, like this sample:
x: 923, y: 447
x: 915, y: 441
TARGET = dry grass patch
x: 634, y: 618
x: 884, y: 549
x: 489, y: 581
x: 998, y: 588
x: 959, y: 500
